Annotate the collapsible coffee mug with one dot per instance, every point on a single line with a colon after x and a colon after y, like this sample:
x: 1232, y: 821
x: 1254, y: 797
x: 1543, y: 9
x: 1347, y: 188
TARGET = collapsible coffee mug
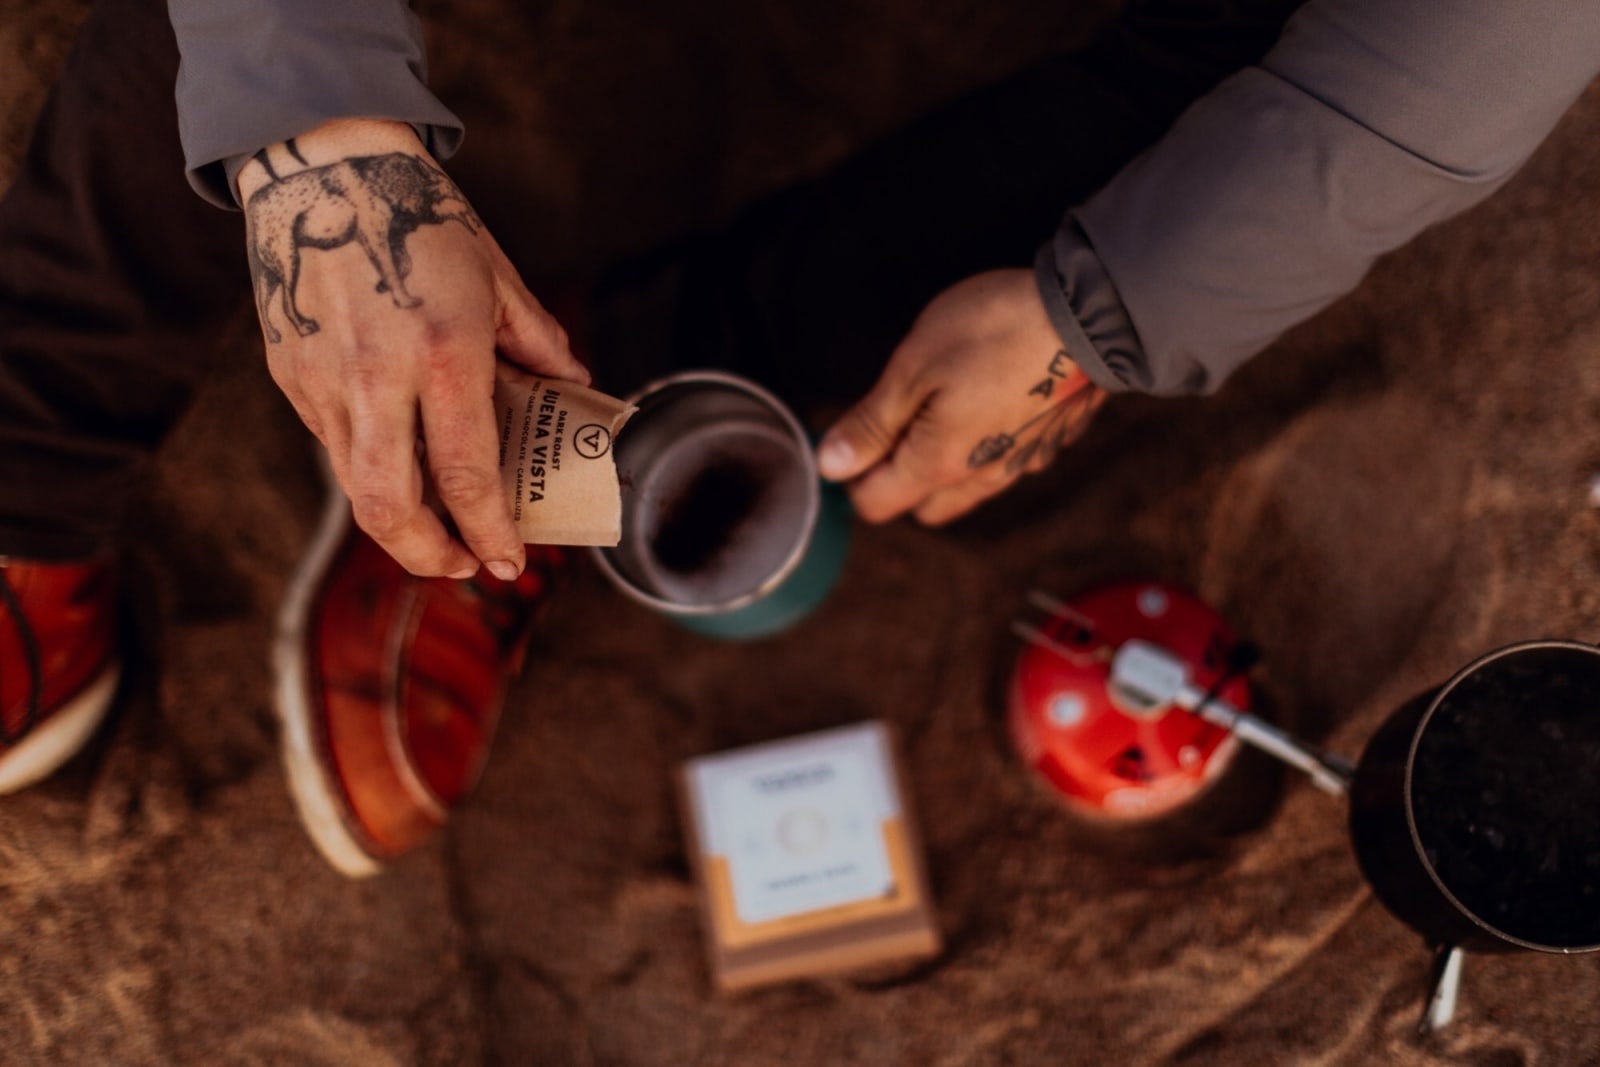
x: 727, y: 528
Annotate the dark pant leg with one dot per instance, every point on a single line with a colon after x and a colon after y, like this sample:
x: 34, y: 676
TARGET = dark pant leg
x: 115, y: 282
x: 810, y: 291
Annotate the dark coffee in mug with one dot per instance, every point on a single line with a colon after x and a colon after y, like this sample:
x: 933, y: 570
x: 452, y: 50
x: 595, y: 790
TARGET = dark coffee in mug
x: 1505, y: 794
x: 718, y: 511
x: 727, y: 527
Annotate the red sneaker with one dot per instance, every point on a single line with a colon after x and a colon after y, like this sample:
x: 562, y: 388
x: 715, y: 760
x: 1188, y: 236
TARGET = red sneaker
x: 58, y: 663
x: 389, y: 687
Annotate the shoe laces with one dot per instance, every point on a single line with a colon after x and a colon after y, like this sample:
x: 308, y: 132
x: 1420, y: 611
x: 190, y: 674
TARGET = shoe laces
x: 12, y: 603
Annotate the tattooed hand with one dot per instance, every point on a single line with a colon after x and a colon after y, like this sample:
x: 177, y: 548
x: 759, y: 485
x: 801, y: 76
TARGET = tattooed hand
x: 979, y: 393
x: 384, y: 301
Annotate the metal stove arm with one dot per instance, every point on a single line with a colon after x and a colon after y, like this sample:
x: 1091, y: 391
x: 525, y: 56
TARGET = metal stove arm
x: 1149, y: 675
x: 1329, y: 773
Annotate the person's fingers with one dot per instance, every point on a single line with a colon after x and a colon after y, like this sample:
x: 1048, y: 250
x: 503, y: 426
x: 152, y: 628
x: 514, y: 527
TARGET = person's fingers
x: 302, y: 404
x: 952, y: 502
x: 868, y: 432
x: 330, y: 426
x: 384, y: 482
x: 458, y: 425
x: 336, y: 446
x: 528, y: 335
x: 920, y: 464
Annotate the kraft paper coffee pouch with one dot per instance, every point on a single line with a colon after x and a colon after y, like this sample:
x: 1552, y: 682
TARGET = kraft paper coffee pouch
x: 556, y: 462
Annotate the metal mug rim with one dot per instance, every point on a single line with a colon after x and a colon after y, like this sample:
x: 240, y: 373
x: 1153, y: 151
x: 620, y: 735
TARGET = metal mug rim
x: 1411, y: 760
x: 601, y: 553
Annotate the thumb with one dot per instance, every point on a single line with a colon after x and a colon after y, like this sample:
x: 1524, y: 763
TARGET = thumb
x: 867, y: 433
x: 530, y: 337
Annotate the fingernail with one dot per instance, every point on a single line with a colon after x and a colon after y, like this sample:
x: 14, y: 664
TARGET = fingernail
x: 465, y: 573
x: 503, y: 569
x: 835, y: 457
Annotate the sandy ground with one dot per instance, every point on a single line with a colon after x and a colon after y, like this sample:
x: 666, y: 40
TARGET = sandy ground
x: 1396, y: 487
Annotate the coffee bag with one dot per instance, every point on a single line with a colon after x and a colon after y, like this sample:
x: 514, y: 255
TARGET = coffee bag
x: 556, y: 461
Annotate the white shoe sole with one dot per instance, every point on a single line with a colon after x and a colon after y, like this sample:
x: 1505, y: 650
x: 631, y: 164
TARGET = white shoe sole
x: 316, y: 795
x: 58, y: 738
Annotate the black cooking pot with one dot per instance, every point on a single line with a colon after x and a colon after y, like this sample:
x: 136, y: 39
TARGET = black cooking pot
x: 1475, y: 809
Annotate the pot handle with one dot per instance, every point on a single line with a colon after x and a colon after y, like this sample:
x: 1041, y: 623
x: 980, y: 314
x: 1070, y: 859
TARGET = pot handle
x: 1444, y: 986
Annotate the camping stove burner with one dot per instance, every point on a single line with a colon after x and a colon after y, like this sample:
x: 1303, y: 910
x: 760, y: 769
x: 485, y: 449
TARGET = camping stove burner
x: 1113, y: 748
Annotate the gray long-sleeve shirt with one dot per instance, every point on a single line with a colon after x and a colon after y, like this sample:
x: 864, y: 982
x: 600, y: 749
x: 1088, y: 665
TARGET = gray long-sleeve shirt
x: 1269, y: 199
x: 1369, y: 121
x: 256, y: 72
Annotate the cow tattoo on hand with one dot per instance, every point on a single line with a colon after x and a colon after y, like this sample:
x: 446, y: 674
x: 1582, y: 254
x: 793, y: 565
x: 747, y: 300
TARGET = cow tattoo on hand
x: 377, y: 202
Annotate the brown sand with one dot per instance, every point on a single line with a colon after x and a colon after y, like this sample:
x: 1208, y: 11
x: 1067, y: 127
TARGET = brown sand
x: 1395, y: 488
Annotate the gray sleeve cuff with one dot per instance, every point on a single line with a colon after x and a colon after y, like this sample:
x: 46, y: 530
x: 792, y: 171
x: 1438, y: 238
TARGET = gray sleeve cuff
x: 256, y: 72
x: 1086, y: 311
x: 1272, y: 196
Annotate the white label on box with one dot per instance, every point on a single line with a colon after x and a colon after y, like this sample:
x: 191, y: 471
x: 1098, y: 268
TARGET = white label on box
x: 800, y: 822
